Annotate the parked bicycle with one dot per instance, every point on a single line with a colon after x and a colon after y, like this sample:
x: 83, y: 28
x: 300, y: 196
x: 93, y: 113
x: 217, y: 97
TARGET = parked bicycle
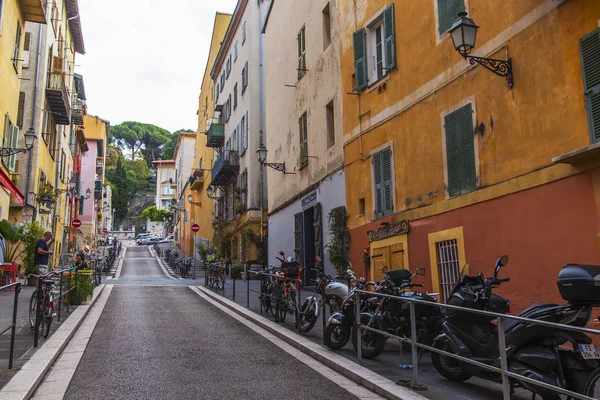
x: 41, y: 305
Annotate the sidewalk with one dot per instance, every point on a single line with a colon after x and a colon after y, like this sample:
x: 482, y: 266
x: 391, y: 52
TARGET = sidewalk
x: 24, y: 349
x: 385, y: 364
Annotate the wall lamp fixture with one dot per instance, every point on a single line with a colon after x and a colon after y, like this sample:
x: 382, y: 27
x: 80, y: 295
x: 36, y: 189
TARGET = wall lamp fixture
x: 195, y: 203
x: 262, y: 157
x: 29, y: 140
x: 464, y: 34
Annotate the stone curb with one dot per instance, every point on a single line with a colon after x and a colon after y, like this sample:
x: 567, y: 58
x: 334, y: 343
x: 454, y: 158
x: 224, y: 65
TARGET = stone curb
x: 351, y: 370
x: 27, y: 380
x: 166, y: 269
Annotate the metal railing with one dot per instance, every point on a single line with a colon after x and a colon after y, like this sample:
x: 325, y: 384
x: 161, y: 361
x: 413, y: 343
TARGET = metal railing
x: 503, y: 370
x: 13, y: 325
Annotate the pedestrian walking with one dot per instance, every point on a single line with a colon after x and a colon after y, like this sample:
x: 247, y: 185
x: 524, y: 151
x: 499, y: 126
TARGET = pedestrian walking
x: 80, y: 261
x: 42, y: 252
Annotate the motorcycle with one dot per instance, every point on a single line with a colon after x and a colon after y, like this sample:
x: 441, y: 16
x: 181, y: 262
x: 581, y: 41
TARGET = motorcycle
x: 328, y: 289
x: 394, y: 317
x: 534, y: 351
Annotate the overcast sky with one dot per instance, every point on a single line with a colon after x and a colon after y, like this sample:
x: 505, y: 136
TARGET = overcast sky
x: 145, y: 60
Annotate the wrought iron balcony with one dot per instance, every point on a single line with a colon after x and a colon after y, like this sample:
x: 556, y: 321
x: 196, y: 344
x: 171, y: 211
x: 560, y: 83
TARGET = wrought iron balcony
x: 216, y: 133
x: 58, y: 98
x: 226, y: 168
x: 78, y: 111
x: 196, y: 180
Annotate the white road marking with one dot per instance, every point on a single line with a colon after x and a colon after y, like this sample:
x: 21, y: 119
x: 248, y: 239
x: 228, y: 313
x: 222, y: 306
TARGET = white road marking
x: 57, y: 381
x: 340, y: 380
x: 118, y: 273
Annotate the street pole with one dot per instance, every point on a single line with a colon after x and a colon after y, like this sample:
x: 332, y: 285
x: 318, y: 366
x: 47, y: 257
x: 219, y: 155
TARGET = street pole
x: 194, y: 263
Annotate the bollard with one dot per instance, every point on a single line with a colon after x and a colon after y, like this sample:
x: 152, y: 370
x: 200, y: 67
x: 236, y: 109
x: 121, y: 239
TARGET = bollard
x: 60, y: 291
x: 297, y: 311
x: 233, y: 279
x: 37, y: 312
x: 14, y: 327
x: 323, y: 316
x: 503, y: 362
x: 413, y: 333
x: 247, y: 286
x: 358, y: 335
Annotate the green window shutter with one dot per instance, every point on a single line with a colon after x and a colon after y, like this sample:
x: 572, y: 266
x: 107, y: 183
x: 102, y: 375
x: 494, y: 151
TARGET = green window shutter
x: 390, y: 39
x: 81, y: 205
x: 378, y: 184
x: 299, y: 236
x: 460, y: 151
x: 360, y: 59
x: 12, y: 161
x: 448, y: 13
x: 387, y: 181
x: 589, y: 46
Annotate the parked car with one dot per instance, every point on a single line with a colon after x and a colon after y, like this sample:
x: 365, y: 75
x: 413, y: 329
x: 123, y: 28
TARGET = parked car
x: 153, y: 240
x: 168, y: 239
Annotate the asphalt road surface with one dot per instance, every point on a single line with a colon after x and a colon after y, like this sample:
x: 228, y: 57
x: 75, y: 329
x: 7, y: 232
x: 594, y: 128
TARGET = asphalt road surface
x: 165, y: 342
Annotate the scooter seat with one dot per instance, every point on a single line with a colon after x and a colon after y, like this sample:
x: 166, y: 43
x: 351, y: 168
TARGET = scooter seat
x: 529, y: 312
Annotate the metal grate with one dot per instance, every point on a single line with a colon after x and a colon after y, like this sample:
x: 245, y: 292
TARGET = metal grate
x: 449, y: 270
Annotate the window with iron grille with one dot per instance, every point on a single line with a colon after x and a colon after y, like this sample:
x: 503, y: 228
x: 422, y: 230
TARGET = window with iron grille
x: 448, y: 266
x: 302, y: 123
x: 383, y: 183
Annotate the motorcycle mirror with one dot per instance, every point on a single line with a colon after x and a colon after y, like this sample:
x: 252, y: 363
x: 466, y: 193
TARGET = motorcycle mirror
x: 421, y: 271
x: 281, y: 252
x: 504, y: 260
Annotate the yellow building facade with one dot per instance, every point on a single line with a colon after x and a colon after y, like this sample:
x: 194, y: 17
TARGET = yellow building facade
x: 201, y: 210
x: 13, y: 15
x: 446, y: 164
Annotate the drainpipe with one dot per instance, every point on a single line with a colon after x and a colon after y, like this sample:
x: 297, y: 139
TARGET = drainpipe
x: 33, y: 116
x: 261, y: 111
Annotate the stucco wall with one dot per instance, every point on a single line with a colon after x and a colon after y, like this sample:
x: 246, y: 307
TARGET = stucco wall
x: 281, y: 224
x: 319, y: 86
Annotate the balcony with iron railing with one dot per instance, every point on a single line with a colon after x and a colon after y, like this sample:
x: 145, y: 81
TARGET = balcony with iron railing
x: 78, y: 111
x: 215, y: 135
x: 58, y: 98
x: 226, y: 168
x: 196, y: 180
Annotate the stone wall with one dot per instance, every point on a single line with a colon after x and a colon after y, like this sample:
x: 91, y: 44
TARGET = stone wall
x: 136, y: 205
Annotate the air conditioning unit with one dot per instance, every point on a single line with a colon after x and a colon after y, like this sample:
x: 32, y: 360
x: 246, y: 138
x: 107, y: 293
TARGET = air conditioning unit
x: 57, y: 65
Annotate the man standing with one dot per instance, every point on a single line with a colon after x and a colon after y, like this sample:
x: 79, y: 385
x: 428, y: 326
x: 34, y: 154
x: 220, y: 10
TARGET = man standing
x: 42, y: 253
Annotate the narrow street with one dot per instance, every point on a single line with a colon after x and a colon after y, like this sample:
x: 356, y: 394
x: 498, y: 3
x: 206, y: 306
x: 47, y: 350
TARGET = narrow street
x: 166, y: 342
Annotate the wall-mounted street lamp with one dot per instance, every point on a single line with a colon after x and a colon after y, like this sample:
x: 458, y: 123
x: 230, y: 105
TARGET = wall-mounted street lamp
x: 195, y: 203
x: 29, y: 140
x: 210, y: 190
x: 464, y: 34
x: 262, y: 157
x: 88, y: 193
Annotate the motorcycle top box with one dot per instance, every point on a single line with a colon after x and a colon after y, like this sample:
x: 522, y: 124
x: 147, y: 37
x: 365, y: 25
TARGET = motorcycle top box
x: 580, y: 283
x: 399, y: 276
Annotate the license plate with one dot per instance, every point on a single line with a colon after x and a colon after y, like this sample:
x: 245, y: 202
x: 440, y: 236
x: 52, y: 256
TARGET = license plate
x: 589, y: 351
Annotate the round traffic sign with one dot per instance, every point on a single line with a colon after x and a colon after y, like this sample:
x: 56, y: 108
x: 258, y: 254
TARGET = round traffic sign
x: 171, y: 230
x: 76, y: 223
x: 195, y: 227
x: 104, y: 230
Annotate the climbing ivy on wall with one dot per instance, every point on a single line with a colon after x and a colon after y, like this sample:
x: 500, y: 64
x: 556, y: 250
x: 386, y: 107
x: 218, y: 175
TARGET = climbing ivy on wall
x: 338, y: 234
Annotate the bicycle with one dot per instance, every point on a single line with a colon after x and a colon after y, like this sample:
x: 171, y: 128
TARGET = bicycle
x: 44, y: 309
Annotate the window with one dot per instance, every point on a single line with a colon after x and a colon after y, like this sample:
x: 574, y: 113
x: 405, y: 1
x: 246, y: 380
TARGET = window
x: 589, y: 47
x: 63, y: 165
x: 326, y: 27
x: 301, y: 53
x: 244, y: 188
x: 376, y: 43
x: 448, y: 13
x: 49, y: 130
x: 361, y: 206
x: 244, y: 127
x: 228, y: 108
x: 21, y: 111
x: 1, y: 13
x: 244, y: 32
x: 460, y: 151
x: 330, y: 124
x: 235, y: 96
x: 234, y: 140
x: 235, y: 51
x: 229, y: 66
x: 168, y: 174
x: 383, y: 182
x: 167, y: 190
x: 26, y: 45
x: 222, y: 80
x: 244, y: 77
x: 17, y: 50
x: 217, y: 91
x: 11, y: 136
x: 448, y: 266
x: 303, y: 140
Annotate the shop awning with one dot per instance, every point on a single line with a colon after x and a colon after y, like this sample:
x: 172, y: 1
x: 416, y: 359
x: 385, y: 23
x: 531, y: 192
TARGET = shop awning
x: 11, y: 187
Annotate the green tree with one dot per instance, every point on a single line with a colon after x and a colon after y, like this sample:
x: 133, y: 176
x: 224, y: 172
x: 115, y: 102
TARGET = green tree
x: 141, y: 171
x: 141, y: 138
x: 155, y: 214
x: 124, y: 185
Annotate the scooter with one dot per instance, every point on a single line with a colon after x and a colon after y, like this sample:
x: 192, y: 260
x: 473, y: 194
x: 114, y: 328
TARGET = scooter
x: 534, y: 351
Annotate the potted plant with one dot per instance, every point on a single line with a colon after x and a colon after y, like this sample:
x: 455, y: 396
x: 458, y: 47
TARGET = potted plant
x: 84, y: 287
x: 238, y: 271
x: 46, y: 194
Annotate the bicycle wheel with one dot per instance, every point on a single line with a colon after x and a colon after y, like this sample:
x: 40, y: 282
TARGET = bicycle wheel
x: 220, y: 283
x: 47, y: 318
x: 32, y: 308
x: 293, y: 307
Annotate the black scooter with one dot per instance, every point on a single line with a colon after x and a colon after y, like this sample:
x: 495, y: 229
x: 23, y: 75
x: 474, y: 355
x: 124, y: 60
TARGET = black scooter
x: 532, y: 350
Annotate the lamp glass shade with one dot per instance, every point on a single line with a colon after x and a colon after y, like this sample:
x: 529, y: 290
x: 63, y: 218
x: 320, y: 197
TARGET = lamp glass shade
x: 88, y: 192
x: 190, y: 198
x: 29, y: 139
x: 262, y: 154
x: 464, y: 34
x: 209, y: 191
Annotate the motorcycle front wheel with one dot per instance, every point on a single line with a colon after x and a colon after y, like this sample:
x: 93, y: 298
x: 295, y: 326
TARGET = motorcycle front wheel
x: 336, y: 335
x: 372, y: 343
x: 592, y: 387
x: 448, y: 367
x: 307, y: 316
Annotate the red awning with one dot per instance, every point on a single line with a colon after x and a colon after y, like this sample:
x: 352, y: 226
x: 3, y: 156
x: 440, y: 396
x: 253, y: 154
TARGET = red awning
x: 12, y: 188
